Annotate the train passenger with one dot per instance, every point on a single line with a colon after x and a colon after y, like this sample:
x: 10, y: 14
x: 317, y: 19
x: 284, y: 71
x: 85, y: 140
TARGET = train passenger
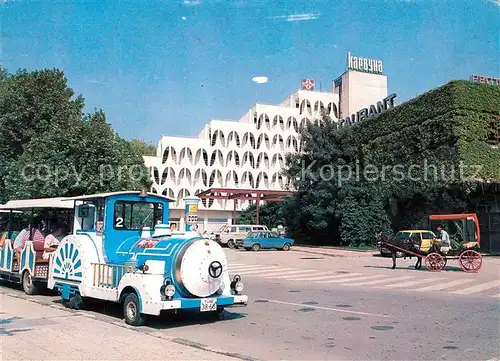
x: 23, y: 236
x: 52, y: 241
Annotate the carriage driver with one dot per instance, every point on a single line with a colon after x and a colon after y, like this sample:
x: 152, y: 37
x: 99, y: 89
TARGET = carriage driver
x: 445, y: 239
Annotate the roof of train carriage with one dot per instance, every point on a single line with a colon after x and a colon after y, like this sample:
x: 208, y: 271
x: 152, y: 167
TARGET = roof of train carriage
x: 104, y: 195
x: 19, y: 204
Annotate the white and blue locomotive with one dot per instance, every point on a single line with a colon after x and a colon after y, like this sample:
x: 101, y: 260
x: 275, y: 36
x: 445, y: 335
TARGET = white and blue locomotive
x: 122, y: 250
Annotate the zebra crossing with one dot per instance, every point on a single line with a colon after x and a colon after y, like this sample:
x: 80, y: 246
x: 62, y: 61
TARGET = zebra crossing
x: 381, y: 281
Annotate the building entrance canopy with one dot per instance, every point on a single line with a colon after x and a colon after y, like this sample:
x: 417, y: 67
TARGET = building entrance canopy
x: 244, y: 195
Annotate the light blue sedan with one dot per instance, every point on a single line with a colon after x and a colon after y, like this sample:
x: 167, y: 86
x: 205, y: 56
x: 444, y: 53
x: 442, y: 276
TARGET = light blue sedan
x: 264, y: 239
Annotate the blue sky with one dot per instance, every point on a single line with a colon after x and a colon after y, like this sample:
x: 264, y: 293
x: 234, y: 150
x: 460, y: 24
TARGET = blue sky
x: 166, y: 67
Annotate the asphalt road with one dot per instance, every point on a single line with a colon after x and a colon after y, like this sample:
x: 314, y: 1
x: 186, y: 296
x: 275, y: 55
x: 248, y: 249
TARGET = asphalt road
x: 348, y: 306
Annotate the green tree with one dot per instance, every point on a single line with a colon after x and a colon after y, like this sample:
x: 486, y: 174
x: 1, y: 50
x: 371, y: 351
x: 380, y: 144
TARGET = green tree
x: 270, y: 215
x: 52, y: 149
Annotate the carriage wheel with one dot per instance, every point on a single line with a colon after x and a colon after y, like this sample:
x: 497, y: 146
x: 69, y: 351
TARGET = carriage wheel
x: 435, y: 262
x: 470, y: 261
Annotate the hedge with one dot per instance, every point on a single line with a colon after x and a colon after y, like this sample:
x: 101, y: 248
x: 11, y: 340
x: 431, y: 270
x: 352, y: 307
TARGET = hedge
x: 447, y: 128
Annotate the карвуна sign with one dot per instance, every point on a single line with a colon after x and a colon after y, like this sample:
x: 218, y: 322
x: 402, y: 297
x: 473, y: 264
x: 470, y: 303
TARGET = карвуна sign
x: 364, y: 64
x: 373, y: 110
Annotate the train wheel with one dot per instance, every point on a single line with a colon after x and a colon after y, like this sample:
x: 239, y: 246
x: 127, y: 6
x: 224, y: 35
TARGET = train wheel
x: 435, y: 262
x: 28, y: 286
x: 131, y: 311
x: 470, y: 261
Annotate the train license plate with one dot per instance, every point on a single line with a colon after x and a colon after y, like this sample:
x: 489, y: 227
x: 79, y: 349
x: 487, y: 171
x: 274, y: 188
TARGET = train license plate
x: 208, y: 304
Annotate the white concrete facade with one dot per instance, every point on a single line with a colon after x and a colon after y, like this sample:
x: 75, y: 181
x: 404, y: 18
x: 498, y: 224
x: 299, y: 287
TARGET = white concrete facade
x: 250, y: 153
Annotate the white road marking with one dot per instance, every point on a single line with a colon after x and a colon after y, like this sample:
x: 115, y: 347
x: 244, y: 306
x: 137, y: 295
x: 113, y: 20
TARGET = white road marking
x: 244, y: 267
x: 263, y: 270
x: 442, y: 286
x: 327, y: 308
x: 496, y: 296
x: 356, y: 278
x: 374, y: 282
x: 289, y: 273
x: 237, y: 264
x: 406, y: 284
x: 328, y: 277
x: 478, y: 288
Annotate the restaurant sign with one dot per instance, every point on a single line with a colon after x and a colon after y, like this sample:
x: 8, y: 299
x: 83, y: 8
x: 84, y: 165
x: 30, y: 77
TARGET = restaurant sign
x: 485, y: 79
x: 369, y: 112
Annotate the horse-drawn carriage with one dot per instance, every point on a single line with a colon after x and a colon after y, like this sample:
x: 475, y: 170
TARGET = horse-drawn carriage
x: 464, y: 244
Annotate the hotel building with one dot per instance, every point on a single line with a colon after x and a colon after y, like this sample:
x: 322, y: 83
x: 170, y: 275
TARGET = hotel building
x: 249, y: 153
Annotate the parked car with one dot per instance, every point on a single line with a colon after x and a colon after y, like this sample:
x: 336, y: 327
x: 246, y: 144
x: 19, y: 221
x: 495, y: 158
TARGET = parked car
x: 263, y: 240
x: 227, y: 235
x: 425, y: 236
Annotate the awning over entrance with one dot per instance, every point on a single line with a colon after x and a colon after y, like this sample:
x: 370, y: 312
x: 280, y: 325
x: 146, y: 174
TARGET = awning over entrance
x: 235, y: 194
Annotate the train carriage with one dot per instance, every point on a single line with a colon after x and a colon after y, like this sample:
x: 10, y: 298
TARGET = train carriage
x: 27, y: 266
x: 122, y: 250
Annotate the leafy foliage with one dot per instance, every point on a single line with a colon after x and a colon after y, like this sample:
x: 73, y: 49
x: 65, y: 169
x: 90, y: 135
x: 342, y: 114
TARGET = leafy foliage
x: 49, y: 148
x: 270, y: 215
x: 391, y: 171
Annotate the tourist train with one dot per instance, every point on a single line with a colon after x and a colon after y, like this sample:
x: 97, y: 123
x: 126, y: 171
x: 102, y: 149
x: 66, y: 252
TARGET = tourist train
x: 119, y: 249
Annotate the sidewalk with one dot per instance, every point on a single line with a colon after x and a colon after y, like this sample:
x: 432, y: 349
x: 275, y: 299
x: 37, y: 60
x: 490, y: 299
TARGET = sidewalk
x: 333, y: 252
x: 32, y: 331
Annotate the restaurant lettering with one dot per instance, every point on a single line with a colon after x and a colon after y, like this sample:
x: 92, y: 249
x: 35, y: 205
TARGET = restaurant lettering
x: 371, y: 111
x: 485, y: 79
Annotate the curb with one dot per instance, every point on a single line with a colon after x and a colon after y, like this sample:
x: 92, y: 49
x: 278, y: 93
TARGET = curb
x: 337, y: 248
x: 332, y: 254
x: 144, y: 330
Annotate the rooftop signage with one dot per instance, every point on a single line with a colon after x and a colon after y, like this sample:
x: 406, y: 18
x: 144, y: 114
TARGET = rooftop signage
x: 369, y: 112
x: 307, y: 84
x: 364, y: 64
x: 484, y: 79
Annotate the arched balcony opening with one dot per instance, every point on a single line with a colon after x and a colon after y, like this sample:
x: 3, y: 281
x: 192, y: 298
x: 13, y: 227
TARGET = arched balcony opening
x: 186, y: 153
x: 184, y: 174
x: 263, y: 120
x: 216, y: 178
x: 156, y: 175
x: 319, y: 108
x: 247, y: 180
x: 262, y: 181
x: 248, y: 158
x: 305, y: 107
x: 233, y: 158
x: 217, y: 156
x: 201, y: 154
x: 278, y: 160
x: 167, y: 192
x: 332, y: 110
x: 200, y: 175
x: 231, y: 179
x: 278, y: 123
x: 249, y: 139
x: 263, y: 160
x: 181, y: 195
x: 263, y: 140
x: 233, y: 138
x: 278, y: 142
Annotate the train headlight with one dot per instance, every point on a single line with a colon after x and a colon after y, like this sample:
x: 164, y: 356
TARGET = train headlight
x: 237, y: 285
x: 169, y: 291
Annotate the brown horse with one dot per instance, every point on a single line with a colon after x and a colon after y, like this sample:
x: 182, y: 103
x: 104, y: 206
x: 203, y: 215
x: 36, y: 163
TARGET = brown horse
x: 409, y: 244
